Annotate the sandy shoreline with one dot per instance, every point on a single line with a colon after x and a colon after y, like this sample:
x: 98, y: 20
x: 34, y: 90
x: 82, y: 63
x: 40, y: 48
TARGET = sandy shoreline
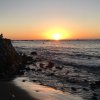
x: 25, y: 90
x: 8, y: 91
x: 41, y: 92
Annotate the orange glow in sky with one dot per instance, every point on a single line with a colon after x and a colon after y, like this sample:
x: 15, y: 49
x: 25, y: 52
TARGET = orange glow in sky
x: 50, y: 19
x: 57, y: 34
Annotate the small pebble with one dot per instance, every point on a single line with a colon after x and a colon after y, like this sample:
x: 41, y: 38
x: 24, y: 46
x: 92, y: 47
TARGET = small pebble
x: 73, y: 88
x: 23, y: 80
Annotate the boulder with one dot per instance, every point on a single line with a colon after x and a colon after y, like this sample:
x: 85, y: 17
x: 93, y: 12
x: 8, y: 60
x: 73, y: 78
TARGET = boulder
x: 73, y: 89
x: 94, y: 97
x: 50, y: 65
x: 26, y: 59
x: 9, y: 58
x: 93, y: 86
x: 41, y: 65
x: 33, y: 53
x: 97, y: 83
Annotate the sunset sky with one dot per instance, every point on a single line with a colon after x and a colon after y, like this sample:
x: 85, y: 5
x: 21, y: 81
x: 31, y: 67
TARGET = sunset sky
x: 42, y: 19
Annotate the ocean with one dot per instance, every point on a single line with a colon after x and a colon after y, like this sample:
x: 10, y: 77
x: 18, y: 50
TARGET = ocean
x: 84, y: 53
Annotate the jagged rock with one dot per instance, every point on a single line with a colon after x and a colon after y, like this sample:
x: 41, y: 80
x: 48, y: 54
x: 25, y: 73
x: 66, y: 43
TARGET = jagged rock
x: 39, y: 70
x: 41, y: 65
x: 94, y: 94
x: 9, y: 58
x: 94, y: 97
x: 97, y: 83
x: 27, y: 69
x: 73, y: 89
x: 26, y: 59
x: 50, y: 74
x: 59, y: 67
x: 33, y: 53
x: 93, y: 86
x: 85, y: 89
x: 20, y: 72
x: 50, y: 65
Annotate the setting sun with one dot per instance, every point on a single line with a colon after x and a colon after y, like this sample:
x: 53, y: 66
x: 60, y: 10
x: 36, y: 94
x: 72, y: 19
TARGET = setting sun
x: 57, y: 33
x: 57, y: 36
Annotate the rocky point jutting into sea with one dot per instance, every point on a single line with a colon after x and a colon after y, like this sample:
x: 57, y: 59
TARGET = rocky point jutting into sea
x: 11, y: 62
x: 9, y: 58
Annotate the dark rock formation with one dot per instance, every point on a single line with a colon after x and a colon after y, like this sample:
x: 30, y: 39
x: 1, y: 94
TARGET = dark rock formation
x: 9, y: 59
x: 97, y: 83
x: 26, y: 59
x: 94, y: 97
x: 41, y: 65
x: 93, y: 86
x: 33, y: 53
x: 50, y: 65
x: 73, y: 89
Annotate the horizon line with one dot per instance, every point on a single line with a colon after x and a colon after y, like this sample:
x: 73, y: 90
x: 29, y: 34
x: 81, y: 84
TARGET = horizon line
x: 50, y: 39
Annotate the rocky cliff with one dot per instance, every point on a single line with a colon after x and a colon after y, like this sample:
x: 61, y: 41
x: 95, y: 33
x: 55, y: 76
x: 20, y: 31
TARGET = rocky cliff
x: 9, y: 59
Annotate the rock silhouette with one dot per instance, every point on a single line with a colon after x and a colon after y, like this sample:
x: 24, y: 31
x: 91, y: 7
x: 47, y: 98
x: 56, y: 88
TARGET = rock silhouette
x: 33, y: 53
x: 9, y: 59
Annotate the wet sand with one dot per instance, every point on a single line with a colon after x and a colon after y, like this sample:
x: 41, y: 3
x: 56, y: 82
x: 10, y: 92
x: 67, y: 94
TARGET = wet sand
x: 21, y: 89
x: 41, y: 92
x: 8, y: 91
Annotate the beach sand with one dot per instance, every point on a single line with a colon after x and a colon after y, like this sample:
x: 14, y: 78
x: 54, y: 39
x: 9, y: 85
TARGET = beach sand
x: 41, y: 92
x: 21, y: 89
x: 8, y: 91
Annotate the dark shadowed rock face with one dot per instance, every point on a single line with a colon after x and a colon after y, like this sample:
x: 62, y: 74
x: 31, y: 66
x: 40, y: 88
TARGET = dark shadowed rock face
x: 9, y: 59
